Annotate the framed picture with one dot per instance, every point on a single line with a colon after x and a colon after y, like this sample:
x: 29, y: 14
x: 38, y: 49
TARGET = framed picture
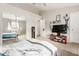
x: 58, y: 17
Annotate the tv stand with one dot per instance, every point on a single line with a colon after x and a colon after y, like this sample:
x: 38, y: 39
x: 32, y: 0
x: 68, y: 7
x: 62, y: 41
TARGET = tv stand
x: 58, y: 34
x: 58, y: 38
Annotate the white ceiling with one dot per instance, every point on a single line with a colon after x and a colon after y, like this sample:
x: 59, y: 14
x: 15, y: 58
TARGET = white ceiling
x: 52, y: 6
x: 26, y: 6
x: 36, y: 7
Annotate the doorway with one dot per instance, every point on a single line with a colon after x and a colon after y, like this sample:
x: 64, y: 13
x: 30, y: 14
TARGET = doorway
x: 33, y: 32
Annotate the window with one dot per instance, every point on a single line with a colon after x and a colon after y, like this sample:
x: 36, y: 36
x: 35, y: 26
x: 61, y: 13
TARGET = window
x: 13, y: 23
x: 13, y: 26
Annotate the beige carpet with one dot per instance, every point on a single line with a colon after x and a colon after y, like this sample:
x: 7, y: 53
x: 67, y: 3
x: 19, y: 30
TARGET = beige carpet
x: 69, y: 49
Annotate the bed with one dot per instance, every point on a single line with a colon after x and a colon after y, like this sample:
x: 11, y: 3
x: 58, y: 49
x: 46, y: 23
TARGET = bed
x: 9, y: 37
x: 29, y: 47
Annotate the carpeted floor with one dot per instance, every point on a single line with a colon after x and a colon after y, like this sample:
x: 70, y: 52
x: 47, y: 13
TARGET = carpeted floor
x: 69, y: 49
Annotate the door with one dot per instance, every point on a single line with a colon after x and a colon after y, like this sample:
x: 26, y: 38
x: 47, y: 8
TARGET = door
x: 33, y: 32
x: 74, y: 27
x: 42, y: 28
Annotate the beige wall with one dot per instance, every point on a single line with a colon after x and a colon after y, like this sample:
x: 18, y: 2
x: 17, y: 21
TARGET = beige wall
x: 0, y: 30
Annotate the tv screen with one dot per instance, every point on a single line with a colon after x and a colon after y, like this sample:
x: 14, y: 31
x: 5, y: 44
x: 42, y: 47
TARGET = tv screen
x: 59, y: 28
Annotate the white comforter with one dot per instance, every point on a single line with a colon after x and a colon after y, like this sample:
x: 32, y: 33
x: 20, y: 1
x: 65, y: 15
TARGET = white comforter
x: 30, y: 48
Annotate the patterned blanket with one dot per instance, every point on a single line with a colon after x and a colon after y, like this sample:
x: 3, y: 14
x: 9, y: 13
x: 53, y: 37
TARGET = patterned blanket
x: 29, y: 48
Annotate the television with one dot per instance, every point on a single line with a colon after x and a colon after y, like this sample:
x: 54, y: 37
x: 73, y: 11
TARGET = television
x: 59, y: 29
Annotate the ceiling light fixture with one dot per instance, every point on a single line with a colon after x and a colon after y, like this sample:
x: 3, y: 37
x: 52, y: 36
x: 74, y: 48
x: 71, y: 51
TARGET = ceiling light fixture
x: 39, y: 4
